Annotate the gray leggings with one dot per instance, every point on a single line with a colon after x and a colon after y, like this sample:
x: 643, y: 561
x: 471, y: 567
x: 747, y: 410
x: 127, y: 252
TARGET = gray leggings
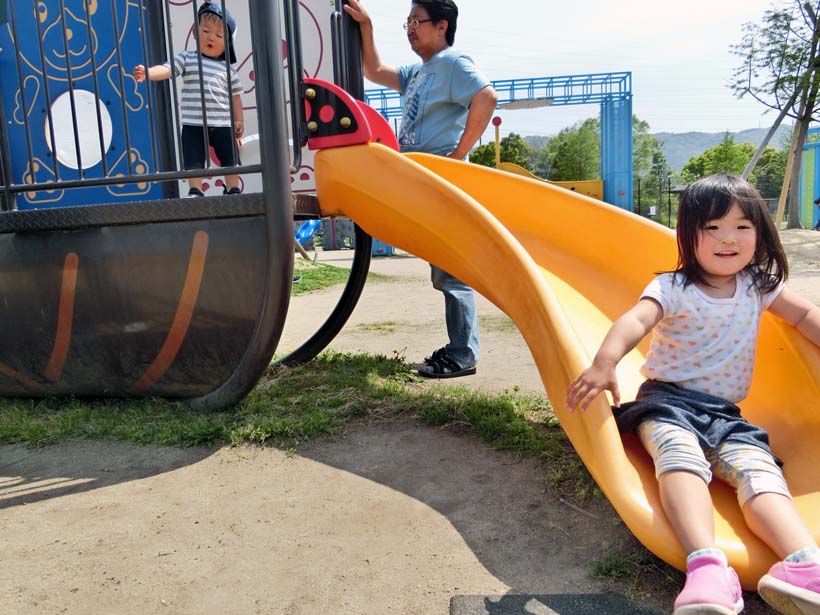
x: 747, y: 468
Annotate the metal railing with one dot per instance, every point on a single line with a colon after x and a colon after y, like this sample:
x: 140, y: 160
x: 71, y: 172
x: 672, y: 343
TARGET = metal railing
x: 72, y: 115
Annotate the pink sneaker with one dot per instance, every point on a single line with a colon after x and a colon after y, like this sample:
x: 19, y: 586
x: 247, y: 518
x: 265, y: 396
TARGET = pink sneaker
x: 711, y: 588
x: 793, y: 589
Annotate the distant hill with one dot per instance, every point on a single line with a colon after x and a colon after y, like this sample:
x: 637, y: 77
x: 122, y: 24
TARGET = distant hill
x: 680, y: 147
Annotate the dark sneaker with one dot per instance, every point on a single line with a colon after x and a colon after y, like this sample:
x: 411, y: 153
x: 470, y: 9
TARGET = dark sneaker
x: 439, y: 365
x: 436, y: 354
x: 234, y: 190
x: 195, y: 192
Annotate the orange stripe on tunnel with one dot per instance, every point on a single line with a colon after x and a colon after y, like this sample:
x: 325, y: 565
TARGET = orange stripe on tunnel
x: 182, y: 318
x: 65, y: 317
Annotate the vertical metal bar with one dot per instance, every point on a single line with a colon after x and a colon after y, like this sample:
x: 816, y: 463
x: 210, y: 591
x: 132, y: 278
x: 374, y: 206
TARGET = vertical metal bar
x: 175, y: 109
x: 6, y: 176
x: 226, y: 34
x: 273, y: 135
x: 146, y: 60
x: 164, y: 107
x: 70, y: 81
x: 352, y: 49
x: 205, y: 136
x: 90, y: 32
x: 295, y: 71
x: 116, y: 30
x: 23, y: 103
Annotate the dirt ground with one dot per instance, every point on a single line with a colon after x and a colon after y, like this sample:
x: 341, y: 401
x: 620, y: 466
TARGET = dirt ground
x: 392, y: 517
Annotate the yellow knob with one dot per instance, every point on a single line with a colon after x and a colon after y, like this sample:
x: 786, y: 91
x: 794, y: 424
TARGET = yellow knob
x: 345, y: 122
x: 313, y: 126
x: 310, y: 93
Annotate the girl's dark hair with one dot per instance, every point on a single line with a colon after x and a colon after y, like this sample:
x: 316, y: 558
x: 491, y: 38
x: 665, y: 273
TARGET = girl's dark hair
x: 711, y: 198
x: 442, y: 9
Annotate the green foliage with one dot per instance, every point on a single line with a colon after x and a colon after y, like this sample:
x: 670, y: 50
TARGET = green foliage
x: 484, y: 155
x: 513, y: 149
x: 780, y: 68
x: 726, y: 157
x: 778, y: 57
x: 769, y: 172
x: 575, y: 153
x: 645, y: 148
x: 291, y: 405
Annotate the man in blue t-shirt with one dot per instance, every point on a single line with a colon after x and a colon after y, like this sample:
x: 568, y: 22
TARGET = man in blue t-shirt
x: 447, y: 106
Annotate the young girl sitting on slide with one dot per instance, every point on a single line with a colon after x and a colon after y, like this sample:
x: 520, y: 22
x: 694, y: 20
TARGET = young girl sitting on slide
x: 704, y: 318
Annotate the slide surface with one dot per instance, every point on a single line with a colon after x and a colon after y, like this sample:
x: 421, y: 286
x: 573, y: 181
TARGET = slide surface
x: 563, y: 266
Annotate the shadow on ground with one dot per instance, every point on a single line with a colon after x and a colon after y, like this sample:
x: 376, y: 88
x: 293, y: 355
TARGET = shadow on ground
x: 28, y: 476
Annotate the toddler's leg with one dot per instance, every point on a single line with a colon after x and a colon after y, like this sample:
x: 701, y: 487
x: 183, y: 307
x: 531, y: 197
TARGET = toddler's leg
x: 683, y: 477
x: 224, y: 142
x: 193, y: 155
x: 232, y: 184
x: 792, y: 586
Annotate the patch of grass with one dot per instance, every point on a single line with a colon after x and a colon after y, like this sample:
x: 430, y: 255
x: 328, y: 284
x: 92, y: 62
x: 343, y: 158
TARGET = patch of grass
x: 634, y: 569
x: 316, y: 276
x: 385, y: 326
x: 293, y: 404
x: 501, y: 323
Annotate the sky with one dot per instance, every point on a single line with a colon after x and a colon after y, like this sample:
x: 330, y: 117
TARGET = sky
x: 678, y: 53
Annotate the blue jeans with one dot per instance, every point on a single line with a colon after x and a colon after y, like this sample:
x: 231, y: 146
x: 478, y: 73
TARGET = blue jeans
x: 461, y: 316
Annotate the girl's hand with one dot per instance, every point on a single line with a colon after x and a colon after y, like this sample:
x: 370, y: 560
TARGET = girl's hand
x: 239, y: 127
x: 139, y: 73
x: 592, y: 382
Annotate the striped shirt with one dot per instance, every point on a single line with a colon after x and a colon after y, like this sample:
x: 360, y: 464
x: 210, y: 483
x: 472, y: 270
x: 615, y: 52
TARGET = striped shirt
x: 214, y: 87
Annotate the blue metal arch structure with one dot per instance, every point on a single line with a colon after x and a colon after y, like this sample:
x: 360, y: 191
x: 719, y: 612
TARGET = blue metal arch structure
x: 612, y: 91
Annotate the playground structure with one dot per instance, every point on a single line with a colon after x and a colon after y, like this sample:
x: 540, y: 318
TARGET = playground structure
x: 611, y: 91
x: 810, y: 181
x: 593, y: 188
x: 187, y: 298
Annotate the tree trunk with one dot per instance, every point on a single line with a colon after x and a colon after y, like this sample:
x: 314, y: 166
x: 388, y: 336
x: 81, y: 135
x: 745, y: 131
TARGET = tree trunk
x: 801, y: 130
x: 787, y: 179
x: 751, y: 165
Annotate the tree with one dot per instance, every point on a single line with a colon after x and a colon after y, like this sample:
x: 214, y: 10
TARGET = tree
x: 645, y: 147
x: 484, y: 155
x: 725, y: 157
x: 513, y: 149
x: 575, y: 153
x: 769, y: 172
x: 780, y: 69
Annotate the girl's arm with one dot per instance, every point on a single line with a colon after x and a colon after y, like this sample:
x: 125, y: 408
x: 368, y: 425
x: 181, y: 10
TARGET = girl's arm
x: 160, y: 72
x: 799, y: 312
x: 624, y: 335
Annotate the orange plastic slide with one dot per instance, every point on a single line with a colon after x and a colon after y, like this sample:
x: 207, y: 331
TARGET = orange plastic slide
x: 563, y: 266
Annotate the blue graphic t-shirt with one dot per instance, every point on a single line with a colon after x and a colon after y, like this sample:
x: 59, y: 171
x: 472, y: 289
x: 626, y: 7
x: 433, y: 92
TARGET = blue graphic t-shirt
x: 437, y: 96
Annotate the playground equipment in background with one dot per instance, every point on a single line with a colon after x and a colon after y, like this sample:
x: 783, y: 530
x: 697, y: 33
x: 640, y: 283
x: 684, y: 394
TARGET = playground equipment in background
x: 810, y: 180
x: 611, y: 91
x: 304, y: 238
x: 590, y: 187
x: 306, y: 231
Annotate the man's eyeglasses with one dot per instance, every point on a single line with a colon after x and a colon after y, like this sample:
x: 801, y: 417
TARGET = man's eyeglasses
x: 414, y: 23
